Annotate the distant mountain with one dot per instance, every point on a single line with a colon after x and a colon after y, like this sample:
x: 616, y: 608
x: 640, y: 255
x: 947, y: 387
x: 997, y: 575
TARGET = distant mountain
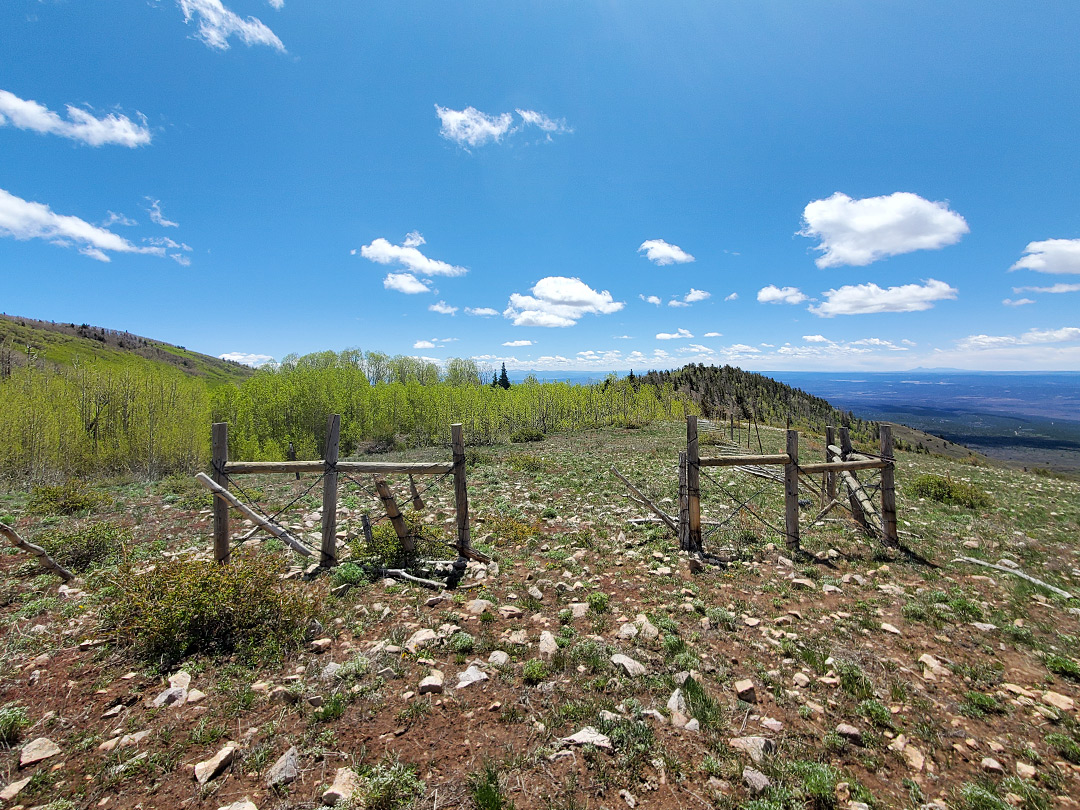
x: 64, y: 344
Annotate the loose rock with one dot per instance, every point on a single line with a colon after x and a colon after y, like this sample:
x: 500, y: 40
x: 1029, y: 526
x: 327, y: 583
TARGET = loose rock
x: 629, y: 665
x: 346, y: 781
x: 211, y: 768
x: 285, y: 770
x: 37, y: 750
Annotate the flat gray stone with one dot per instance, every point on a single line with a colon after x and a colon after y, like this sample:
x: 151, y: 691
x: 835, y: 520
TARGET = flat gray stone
x: 629, y: 665
x: 37, y: 750
x: 754, y: 747
x: 211, y: 768
x: 470, y: 676
x: 588, y: 736
x: 755, y: 780
x: 498, y: 659
x: 285, y: 770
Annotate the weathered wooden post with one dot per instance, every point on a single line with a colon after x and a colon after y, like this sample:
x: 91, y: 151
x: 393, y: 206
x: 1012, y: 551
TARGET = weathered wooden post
x: 845, y: 453
x: 791, y: 492
x: 888, y: 489
x: 830, y: 477
x: 461, y: 492
x: 328, y: 558
x: 693, y: 486
x: 684, y: 507
x: 219, y: 452
x: 408, y: 543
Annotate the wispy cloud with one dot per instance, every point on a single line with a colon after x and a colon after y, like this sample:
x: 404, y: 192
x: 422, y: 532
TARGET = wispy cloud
x: 660, y: 252
x: 863, y: 299
x: 118, y: 219
x: 247, y: 359
x: 518, y: 343
x: 1059, y: 256
x: 443, y: 308
x: 1017, y: 302
x: 858, y: 232
x: 713, y: 334
x: 79, y: 125
x: 22, y: 219
x: 559, y: 301
x: 157, y: 217
x: 470, y: 127
x: 481, y: 312
x: 780, y: 295
x: 541, y: 121
x: 732, y: 297
x: 423, y: 344
x: 682, y: 334
x: 217, y: 24
x: 650, y: 299
x: 1053, y: 289
x: 1067, y: 334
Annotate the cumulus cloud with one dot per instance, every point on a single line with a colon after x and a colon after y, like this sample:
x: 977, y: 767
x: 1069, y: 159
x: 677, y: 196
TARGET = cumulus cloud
x: 217, y: 24
x: 79, y: 125
x: 680, y: 335
x: 409, y: 257
x: 516, y: 343
x: 21, y: 219
x: 780, y: 295
x: 714, y: 334
x: 443, y: 308
x: 675, y: 302
x: 1018, y: 302
x: 650, y: 299
x: 1053, y: 289
x: 559, y: 301
x: 423, y: 344
x: 483, y: 312
x: 470, y: 127
x: 254, y: 360
x: 405, y: 283
x: 1051, y: 256
x: 660, y: 252
x: 157, y: 217
x: 863, y: 299
x: 858, y: 232
x: 696, y: 295
x: 1067, y: 334
x: 816, y: 339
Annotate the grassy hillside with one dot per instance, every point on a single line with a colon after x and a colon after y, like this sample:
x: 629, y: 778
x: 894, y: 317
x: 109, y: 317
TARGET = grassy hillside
x: 64, y: 344
x: 875, y: 680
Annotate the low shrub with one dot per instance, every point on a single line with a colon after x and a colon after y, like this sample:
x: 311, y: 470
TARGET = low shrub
x: 73, y: 497
x: 13, y: 721
x: 946, y: 490
x: 390, y: 785
x: 349, y: 574
x: 1065, y: 667
x: 85, y: 547
x: 524, y: 434
x: 534, y: 671
x: 386, y: 551
x: 486, y: 790
x: 184, y: 607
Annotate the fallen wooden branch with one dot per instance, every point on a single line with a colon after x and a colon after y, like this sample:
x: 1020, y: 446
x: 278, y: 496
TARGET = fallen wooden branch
x: 281, y: 534
x: 470, y: 553
x: 1016, y: 573
x: 646, y: 502
x: 856, y: 490
x: 397, y: 573
x: 37, y: 551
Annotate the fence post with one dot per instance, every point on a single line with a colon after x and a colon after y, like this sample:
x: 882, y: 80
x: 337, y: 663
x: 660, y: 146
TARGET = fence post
x: 888, y: 489
x: 845, y: 451
x: 461, y: 492
x: 830, y: 477
x: 684, y: 508
x: 219, y: 446
x: 328, y: 558
x: 693, y: 486
x: 791, y: 492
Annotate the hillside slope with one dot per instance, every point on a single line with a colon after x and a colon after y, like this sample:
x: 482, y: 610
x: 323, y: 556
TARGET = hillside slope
x: 62, y: 344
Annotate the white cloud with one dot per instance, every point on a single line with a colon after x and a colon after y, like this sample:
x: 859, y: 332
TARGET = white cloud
x: 780, y: 295
x: 483, y: 312
x: 696, y: 295
x: 697, y: 347
x: 680, y: 335
x: 732, y: 297
x: 118, y: 219
x: 21, y: 219
x: 218, y: 23
x: 1054, y: 289
x: 423, y: 344
x: 405, y: 283
x: 538, y: 119
x: 862, y: 299
x: 1051, y: 256
x: 714, y: 334
x: 516, y: 343
x: 1067, y: 334
x: 180, y: 259
x: 80, y: 125
x: 816, y: 339
x: 277, y: 5
x: 414, y: 239
x: 858, y: 232
x: 255, y: 360
x: 472, y: 127
x: 559, y: 301
x: 650, y: 299
x: 443, y: 308
x: 381, y: 251
x: 622, y: 337
x: 1019, y: 302
x: 742, y: 348
x: 157, y: 217
x: 675, y: 302
x: 660, y: 252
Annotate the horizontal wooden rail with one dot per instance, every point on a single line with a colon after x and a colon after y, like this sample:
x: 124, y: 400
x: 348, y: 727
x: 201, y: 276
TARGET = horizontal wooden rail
x: 377, y: 467
x: 844, y: 466
x: 736, y: 461
x: 836, y: 451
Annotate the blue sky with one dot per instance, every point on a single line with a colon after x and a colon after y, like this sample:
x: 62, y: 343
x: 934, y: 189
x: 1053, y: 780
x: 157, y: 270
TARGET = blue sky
x: 554, y: 185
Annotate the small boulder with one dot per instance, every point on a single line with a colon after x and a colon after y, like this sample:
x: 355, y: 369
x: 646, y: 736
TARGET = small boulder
x: 850, y: 733
x: 470, y: 676
x: 511, y: 612
x: 211, y: 768
x: 421, y: 638
x: 285, y: 770
x: 536, y: 593
x: 754, y: 747
x: 173, y: 696
x: 629, y: 665
x: 547, y: 647
x: 346, y: 781
x: 37, y: 750
x: 744, y: 689
x: 588, y: 736
x: 432, y: 684
x: 498, y: 659
x: 13, y: 789
x: 991, y: 765
x: 478, y: 606
x: 627, y: 631
x: 756, y: 781
x: 244, y: 804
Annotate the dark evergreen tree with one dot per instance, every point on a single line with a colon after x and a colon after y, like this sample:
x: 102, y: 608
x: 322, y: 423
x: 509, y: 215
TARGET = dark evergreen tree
x: 504, y: 381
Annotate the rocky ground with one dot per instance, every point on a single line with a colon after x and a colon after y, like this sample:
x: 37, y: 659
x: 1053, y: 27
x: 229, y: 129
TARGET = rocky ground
x: 588, y: 666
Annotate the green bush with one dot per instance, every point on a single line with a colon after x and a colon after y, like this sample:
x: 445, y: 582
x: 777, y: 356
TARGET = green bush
x: 86, y: 547
x: 525, y: 434
x: 390, y: 785
x: 70, y: 498
x: 386, y: 551
x: 1066, y: 746
x: 534, y: 671
x: 1066, y: 667
x: 598, y: 601
x: 945, y: 490
x: 486, y: 790
x: 349, y: 574
x: 184, y: 607
x: 13, y: 721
